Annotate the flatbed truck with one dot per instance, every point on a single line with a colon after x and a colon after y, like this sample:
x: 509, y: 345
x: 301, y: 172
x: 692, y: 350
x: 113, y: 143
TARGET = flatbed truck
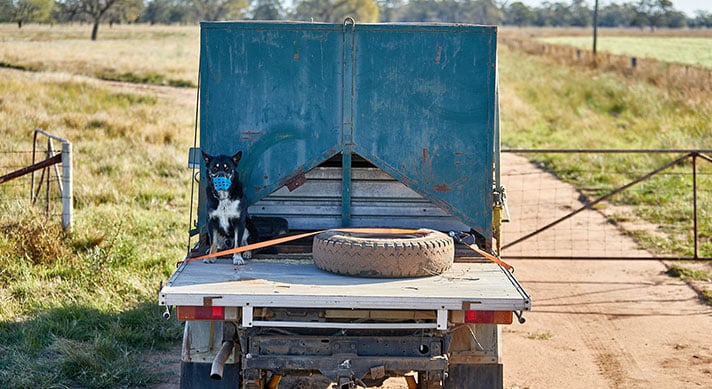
x: 349, y: 125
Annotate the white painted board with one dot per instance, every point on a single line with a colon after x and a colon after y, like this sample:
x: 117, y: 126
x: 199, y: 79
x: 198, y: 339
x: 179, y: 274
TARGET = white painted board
x: 299, y: 283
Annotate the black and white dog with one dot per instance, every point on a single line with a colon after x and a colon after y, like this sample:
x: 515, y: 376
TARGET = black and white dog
x: 229, y: 224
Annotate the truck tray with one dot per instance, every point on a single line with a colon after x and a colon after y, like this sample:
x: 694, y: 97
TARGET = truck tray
x: 300, y: 284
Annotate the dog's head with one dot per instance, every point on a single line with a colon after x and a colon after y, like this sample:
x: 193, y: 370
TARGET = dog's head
x: 221, y: 169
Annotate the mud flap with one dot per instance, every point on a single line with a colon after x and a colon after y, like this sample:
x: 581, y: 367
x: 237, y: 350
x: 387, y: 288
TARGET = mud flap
x: 484, y: 376
x: 197, y: 375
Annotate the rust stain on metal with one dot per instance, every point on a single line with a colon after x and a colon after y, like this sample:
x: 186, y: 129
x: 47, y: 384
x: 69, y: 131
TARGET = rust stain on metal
x: 295, y: 57
x: 296, y: 182
x: 208, y: 300
x: 442, y: 188
x: 439, y: 54
x: 425, y: 157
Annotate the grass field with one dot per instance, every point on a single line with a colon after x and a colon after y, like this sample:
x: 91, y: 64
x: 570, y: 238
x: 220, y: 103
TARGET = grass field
x: 135, y: 53
x: 606, y: 110
x: 684, y: 50
x: 79, y: 309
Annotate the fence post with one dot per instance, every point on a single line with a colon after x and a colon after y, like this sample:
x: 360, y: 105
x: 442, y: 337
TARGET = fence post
x: 694, y: 203
x: 66, y: 183
x: 67, y: 197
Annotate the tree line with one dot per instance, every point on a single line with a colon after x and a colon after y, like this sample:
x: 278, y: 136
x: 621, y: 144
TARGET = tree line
x: 577, y: 13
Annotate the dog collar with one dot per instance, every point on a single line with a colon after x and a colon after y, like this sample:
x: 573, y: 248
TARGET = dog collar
x: 221, y: 183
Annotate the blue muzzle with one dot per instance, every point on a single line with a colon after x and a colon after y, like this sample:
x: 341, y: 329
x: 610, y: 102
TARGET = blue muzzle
x: 221, y: 183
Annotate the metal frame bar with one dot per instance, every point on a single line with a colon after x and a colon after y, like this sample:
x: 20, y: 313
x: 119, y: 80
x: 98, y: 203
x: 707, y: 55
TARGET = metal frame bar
x: 248, y: 321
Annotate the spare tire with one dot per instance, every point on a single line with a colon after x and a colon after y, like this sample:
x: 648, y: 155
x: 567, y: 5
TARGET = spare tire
x: 383, y: 255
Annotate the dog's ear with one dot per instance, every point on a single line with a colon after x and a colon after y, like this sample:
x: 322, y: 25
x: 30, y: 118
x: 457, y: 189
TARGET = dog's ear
x: 236, y: 157
x: 206, y: 157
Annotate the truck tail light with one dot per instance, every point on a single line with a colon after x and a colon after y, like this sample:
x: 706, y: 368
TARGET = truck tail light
x: 488, y: 317
x: 201, y: 313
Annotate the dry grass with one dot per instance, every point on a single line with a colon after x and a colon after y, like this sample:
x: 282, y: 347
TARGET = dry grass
x: 78, y: 310
x: 136, y: 53
x: 686, y: 80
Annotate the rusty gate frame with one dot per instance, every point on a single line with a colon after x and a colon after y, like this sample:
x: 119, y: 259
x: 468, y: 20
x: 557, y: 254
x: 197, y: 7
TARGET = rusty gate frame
x: 693, y: 154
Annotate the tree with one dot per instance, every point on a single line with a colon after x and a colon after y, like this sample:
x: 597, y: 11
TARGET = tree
x: 267, y: 10
x: 388, y: 9
x: 126, y: 11
x: 652, y: 12
x: 579, y: 14
x: 21, y: 11
x: 614, y: 15
x: 480, y: 12
x: 702, y: 20
x: 519, y: 14
x: 157, y: 11
x: 674, y: 19
x: 95, y: 10
x: 212, y: 10
x: 429, y: 11
x: 335, y: 11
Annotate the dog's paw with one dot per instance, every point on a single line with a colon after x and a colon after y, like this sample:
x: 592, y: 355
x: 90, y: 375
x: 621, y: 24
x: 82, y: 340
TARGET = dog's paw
x: 237, y: 259
x: 208, y: 260
x: 247, y: 254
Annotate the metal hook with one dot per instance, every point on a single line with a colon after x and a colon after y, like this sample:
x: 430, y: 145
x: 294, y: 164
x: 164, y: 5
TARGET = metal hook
x: 349, y: 21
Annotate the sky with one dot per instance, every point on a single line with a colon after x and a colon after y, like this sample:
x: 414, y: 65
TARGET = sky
x: 687, y: 6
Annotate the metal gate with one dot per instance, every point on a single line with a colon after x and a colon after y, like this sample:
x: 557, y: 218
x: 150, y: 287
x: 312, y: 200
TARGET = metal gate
x: 659, y: 208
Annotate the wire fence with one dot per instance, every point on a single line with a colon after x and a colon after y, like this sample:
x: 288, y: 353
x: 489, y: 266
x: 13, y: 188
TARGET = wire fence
x: 608, y: 204
x: 562, y: 204
x: 38, y: 178
x: 672, y: 76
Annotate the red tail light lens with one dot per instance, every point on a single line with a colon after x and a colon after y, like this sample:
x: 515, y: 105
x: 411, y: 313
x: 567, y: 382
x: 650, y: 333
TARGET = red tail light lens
x: 488, y: 317
x: 201, y: 313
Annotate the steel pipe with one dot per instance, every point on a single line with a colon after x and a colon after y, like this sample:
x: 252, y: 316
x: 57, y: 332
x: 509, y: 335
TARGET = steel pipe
x: 216, y: 371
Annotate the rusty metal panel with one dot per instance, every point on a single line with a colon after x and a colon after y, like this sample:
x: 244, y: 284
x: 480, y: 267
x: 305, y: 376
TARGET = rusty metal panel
x: 415, y: 100
x: 271, y: 90
x: 425, y: 112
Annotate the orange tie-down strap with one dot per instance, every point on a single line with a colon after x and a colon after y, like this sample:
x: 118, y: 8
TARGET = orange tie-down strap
x: 284, y: 239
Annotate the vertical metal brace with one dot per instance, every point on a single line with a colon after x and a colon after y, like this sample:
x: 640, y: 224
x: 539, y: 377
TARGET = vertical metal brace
x: 247, y: 316
x: 442, y: 319
x: 347, y: 124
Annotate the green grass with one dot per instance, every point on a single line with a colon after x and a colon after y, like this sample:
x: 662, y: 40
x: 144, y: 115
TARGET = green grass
x: 689, y: 51
x: 546, y: 335
x: 79, y: 309
x: 685, y: 273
